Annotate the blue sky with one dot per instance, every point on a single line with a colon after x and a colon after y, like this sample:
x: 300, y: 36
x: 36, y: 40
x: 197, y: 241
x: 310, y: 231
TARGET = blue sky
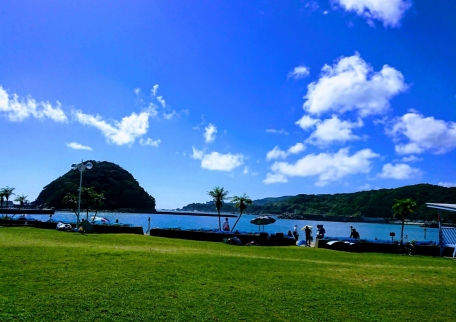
x: 270, y: 98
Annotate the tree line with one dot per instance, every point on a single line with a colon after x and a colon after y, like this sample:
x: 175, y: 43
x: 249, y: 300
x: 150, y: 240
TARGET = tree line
x: 373, y: 203
x: 6, y: 193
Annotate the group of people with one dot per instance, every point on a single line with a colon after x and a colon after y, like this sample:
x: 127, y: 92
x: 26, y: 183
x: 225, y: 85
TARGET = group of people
x: 320, y: 233
x: 308, y: 232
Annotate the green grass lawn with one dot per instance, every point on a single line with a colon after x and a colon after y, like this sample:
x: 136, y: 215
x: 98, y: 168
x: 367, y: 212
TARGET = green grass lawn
x: 47, y: 275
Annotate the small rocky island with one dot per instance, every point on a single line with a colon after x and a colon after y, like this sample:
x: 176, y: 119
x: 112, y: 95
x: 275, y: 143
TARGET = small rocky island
x: 120, y: 191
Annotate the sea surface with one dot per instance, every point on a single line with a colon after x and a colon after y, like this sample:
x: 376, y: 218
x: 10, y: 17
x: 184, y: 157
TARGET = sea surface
x: 333, y: 229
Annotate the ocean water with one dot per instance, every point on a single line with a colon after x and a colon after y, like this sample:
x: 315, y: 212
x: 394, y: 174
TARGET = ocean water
x: 333, y: 229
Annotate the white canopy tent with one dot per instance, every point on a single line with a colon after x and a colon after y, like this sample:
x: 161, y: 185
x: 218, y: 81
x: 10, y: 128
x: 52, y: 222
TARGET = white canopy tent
x: 443, y: 206
x: 447, y: 235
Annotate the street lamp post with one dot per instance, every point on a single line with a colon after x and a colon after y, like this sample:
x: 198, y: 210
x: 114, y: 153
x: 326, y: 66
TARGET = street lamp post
x: 81, y: 167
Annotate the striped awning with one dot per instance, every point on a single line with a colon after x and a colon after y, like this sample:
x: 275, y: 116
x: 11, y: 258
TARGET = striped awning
x: 448, y: 236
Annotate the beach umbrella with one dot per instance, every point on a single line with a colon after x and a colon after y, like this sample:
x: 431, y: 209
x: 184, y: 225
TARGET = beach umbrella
x: 304, y: 228
x: 262, y: 220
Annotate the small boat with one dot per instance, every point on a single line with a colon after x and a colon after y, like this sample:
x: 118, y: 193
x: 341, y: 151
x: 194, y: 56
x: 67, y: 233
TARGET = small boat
x: 102, y: 220
x: 431, y: 224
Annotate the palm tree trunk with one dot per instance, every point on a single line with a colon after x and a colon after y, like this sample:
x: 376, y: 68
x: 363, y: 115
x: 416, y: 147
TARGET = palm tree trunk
x: 236, y: 221
x: 7, y: 200
x: 402, y: 231
x: 95, y: 215
x: 220, y: 223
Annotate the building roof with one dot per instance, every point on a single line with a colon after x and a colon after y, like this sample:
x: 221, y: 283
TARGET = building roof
x: 443, y: 206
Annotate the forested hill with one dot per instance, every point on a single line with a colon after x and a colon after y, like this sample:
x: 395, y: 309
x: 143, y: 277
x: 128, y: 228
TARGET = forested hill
x: 120, y: 189
x: 373, y: 203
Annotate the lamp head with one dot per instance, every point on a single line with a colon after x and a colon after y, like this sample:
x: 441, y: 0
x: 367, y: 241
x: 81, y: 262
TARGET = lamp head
x: 74, y: 166
x: 88, y: 165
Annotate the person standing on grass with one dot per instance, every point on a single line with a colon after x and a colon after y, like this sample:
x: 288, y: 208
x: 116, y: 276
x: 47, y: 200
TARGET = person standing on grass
x: 295, y: 233
x: 308, y: 232
x: 226, y: 225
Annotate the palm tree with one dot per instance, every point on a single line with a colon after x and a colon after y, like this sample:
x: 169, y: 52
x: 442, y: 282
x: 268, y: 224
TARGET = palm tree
x: 7, y: 192
x: 404, y: 207
x: 241, y: 203
x: 21, y: 199
x: 72, y: 200
x: 97, y: 199
x: 218, y: 194
x: 86, y: 195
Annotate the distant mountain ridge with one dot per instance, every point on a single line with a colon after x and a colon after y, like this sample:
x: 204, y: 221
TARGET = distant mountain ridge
x: 231, y: 207
x: 264, y: 201
x: 372, y: 203
x: 121, y: 190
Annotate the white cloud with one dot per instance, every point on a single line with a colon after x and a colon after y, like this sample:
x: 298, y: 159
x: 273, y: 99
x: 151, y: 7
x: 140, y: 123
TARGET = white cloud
x: 390, y: 12
x: 297, y: 148
x: 334, y: 130
x: 281, y: 131
x: 149, y: 142
x: 53, y: 113
x: 161, y: 100
x: 424, y: 134
x: 77, y: 146
x: 165, y: 113
x: 169, y: 116
x: 137, y: 91
x: 307, y: 122
x: 277, y: 153
x: 352, y: 85
x: 299, y: 72
x: 447, y: 184
x: 18, y: 109
x: 120, y: 133
x: 217, y: 161
x: 221, y: 162
x: 325, y: 166
x: 154, y: 90
x: 209, y: 133
x: 411, y: 158
x: 197, y: 154
x: 275, y: 178
x: 400, y: 171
